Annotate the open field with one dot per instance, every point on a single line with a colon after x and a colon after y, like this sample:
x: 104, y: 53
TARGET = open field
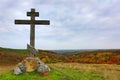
x: 67, y: 71
x: 109, y: 72
x: 55, y: 74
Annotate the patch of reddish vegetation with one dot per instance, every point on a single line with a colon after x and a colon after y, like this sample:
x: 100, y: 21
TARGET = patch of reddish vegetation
x: 95, y: 57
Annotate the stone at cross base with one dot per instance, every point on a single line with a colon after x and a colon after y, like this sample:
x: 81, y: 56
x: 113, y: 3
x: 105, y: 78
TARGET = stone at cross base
x: 32, y: 63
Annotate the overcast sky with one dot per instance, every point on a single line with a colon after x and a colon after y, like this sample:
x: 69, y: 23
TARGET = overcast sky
x: 74, y: 24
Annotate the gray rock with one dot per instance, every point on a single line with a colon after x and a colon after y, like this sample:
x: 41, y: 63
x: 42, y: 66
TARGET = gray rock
x: 17, y: 71
x: 42, y: 67
x: 22, y: 66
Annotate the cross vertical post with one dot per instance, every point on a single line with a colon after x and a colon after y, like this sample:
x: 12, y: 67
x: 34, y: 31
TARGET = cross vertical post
x: 32, y: 29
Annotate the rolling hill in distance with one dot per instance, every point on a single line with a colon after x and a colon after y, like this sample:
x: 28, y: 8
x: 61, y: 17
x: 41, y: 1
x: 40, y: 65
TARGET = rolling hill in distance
x: 99, y: 56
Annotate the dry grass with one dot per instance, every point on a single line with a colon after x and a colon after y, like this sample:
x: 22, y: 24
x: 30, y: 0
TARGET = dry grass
x: 7, y: 68
x: 110, y: 72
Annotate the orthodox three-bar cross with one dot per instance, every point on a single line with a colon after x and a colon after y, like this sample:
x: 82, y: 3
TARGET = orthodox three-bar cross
x: 32, y: 24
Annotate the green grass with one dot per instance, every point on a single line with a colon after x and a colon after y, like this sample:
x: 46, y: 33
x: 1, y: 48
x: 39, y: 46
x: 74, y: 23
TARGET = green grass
x: 72, y: 74
x: 21, y: 51
x: 55, y: 74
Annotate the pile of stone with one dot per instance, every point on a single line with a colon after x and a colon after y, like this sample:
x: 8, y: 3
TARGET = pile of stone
x: 32, y: 64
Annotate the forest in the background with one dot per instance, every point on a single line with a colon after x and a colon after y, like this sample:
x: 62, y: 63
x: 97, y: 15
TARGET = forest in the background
x: 92, y: 56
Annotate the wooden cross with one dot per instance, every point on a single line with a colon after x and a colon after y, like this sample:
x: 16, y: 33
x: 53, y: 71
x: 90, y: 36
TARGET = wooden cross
x: 32, y: 23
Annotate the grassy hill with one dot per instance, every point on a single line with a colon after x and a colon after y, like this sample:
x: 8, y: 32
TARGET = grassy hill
x: 12, y: 56
x: 92, y: 56
x: 69, y: 71
x: 95, y: 56
x: 63, y: 70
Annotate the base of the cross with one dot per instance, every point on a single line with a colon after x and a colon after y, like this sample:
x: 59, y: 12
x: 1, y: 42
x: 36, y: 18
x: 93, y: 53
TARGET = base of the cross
x: 32, y: 64
x: 32, y: 50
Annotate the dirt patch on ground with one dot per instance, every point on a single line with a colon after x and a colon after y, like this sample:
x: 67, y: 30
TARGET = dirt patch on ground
x: 7, y: 68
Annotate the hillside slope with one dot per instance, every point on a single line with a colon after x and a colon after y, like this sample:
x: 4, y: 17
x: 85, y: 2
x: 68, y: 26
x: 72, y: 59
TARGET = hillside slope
x: 95, y: 56
x: 8, y: 56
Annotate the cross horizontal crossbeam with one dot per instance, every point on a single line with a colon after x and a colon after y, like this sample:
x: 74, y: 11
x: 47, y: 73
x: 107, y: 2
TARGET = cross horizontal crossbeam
x: 35, y: 14
x: 37, y: 22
